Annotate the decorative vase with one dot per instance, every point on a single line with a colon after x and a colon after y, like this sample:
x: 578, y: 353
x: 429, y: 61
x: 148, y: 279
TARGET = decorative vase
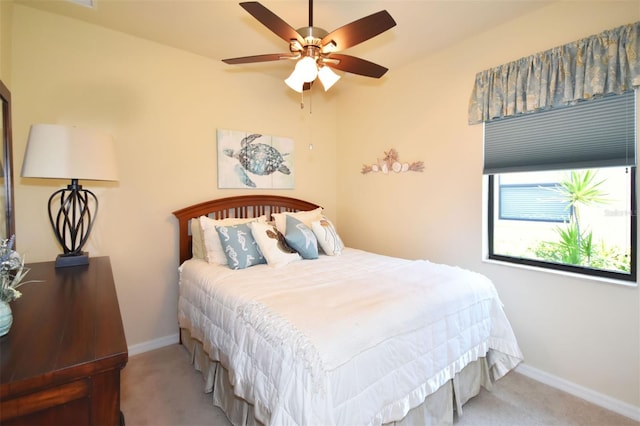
x: 6, y: 317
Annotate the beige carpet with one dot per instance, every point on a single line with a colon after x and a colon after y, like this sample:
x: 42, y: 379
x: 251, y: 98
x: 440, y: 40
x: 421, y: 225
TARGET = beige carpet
x: 161, y: 388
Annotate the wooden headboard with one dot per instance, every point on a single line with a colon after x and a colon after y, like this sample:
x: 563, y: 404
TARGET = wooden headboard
x: 243, y: 206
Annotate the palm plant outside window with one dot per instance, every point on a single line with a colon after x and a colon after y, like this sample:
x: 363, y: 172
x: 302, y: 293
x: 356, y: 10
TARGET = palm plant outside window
x: 595, y: 237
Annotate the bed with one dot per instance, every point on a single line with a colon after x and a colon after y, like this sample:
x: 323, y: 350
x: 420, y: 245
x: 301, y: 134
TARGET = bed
x: 316, y: 333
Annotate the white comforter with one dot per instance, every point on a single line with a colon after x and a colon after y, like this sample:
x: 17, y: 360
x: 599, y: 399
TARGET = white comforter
x: 344, y: 340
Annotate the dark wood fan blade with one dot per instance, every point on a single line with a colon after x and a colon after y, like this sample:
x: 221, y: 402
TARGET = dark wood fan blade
x: 361, y: 30
x: 356, y: 65
x: 260, y: 58
x: 272, y: 21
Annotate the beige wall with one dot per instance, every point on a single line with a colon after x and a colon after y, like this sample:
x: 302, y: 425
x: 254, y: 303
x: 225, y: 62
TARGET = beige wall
x: 585, y: 332
x: 6, y: 7
x: 162, y: 106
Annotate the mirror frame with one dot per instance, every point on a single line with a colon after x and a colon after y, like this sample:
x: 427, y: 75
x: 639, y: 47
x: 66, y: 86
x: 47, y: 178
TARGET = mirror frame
x: 7, y: 160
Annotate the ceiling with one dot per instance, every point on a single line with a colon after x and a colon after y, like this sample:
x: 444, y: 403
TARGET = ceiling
x: 221, y: 29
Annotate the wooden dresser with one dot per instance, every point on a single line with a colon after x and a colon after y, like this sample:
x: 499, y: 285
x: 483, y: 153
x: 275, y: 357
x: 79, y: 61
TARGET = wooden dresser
x: 60, y: 363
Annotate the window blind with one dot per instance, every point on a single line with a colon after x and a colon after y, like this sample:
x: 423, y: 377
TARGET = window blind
x: 596, y: 133
x: 532, y: 202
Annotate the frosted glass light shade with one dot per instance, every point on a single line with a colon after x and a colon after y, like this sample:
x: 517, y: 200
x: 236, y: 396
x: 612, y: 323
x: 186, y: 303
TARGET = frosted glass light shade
x: 327, y: 77
x: 307, y: 69
x: 67, y: 152
x: 295, y: 81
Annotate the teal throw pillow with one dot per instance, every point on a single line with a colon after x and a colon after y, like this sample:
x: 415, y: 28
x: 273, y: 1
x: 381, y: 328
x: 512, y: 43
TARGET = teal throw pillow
x: 239, y: 246
x: 300, y: 238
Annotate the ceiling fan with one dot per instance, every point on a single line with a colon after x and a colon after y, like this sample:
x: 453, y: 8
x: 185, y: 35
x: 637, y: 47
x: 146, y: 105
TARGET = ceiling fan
x: 315, y: 49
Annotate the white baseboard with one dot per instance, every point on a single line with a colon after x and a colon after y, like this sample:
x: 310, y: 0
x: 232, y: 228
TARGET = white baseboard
x: 592, y: 396
x: 153, y: 344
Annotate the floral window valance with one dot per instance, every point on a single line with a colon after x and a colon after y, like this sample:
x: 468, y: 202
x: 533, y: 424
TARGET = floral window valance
x: 606, y: 63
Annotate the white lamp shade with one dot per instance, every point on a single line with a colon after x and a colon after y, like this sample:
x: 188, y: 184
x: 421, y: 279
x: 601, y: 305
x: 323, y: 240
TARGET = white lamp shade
x: 295, y: 82
x: 327, y: 77
x: 67, y: 152
x: 307, y: 69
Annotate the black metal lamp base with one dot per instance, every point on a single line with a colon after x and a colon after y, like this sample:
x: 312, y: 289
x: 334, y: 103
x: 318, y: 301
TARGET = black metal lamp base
x: 72, y: 222
x: 66, y: 260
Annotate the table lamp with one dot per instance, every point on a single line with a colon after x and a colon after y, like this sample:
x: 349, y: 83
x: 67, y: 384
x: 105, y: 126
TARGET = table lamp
x: 66, y: 152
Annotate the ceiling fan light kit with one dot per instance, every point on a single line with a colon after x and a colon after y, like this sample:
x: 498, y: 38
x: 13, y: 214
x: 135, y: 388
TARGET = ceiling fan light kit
x: 314, y: 48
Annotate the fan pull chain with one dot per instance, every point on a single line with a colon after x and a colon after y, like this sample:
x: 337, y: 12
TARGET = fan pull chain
x: 302, y: 101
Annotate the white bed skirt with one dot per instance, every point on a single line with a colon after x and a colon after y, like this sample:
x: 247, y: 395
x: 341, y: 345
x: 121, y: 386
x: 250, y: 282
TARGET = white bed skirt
x: 437, y: 409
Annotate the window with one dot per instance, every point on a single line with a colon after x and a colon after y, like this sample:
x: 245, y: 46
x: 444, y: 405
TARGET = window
x: 561, y: 192
x: 531, y: 201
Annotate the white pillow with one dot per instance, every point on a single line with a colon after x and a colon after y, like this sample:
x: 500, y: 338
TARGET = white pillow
x: 213, y: 251
x: 327, y: 236
x: 306, y: 217
x: 197, y: 245
x: 272, y: 244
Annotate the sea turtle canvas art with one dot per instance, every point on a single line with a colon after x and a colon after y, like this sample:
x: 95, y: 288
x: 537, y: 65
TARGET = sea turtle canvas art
x: 254, y: 160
